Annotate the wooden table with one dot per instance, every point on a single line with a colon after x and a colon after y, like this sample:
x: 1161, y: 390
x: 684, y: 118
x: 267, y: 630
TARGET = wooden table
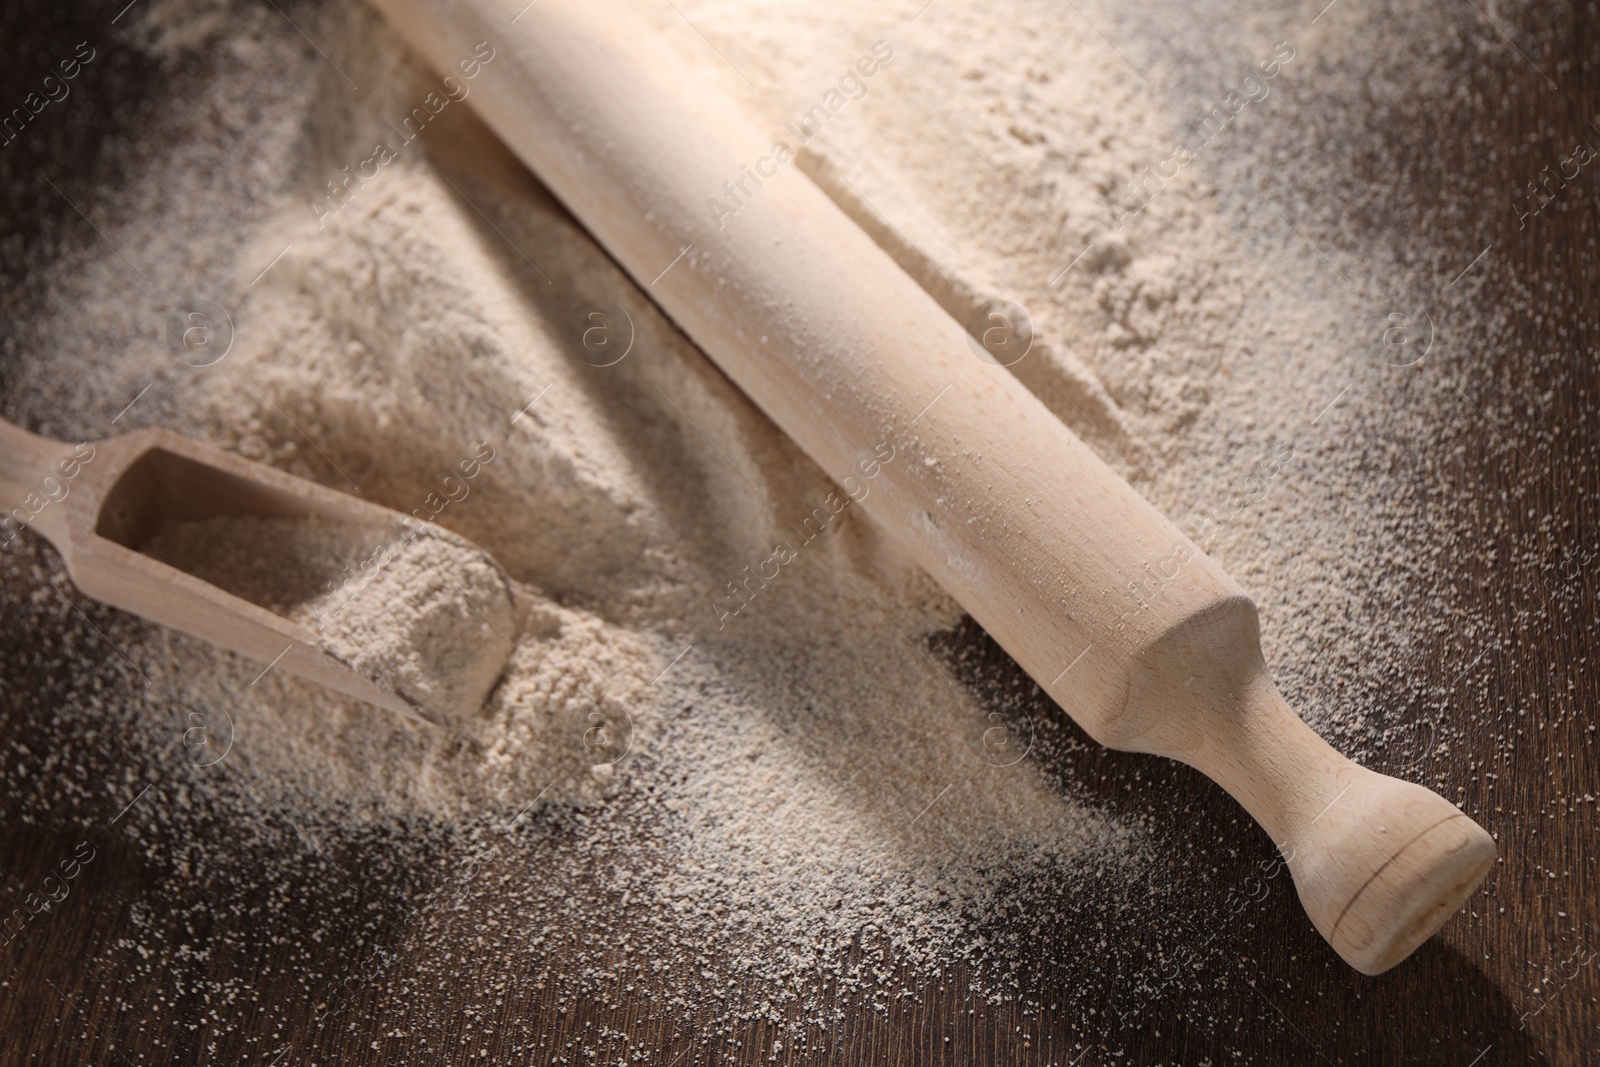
x: 173, y: 907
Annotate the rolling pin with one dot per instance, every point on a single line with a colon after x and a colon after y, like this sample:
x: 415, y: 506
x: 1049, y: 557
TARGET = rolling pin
x: 1127, y: 625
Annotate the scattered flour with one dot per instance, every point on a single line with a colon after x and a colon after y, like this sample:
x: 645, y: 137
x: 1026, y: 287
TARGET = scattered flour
x: 818, y: 771
x: 763, y: 794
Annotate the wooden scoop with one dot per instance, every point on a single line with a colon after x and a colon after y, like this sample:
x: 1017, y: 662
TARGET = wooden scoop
x: 98, y: 503
x: 1118, y: 615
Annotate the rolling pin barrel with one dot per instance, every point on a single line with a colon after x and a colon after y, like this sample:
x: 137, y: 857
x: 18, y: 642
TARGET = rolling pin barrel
x: 1117, y: 614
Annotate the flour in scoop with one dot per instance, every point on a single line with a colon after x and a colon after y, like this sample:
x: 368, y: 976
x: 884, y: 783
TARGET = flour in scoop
x: 429, y: 617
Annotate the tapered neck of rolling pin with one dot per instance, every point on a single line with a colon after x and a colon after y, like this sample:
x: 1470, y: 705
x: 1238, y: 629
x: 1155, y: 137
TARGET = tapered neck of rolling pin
x: 1260, y: 751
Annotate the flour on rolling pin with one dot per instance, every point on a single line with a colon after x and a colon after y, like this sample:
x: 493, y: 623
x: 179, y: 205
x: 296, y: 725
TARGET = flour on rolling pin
x: 426, y: 616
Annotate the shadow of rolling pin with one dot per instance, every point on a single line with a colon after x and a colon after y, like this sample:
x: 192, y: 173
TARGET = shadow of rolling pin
x: 1037, y: 538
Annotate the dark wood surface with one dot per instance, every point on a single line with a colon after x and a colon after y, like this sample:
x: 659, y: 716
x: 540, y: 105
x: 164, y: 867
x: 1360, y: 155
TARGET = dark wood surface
x: 176, y: 904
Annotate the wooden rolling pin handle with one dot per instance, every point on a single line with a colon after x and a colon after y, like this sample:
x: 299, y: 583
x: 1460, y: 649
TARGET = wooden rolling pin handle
x: 1378, y: 863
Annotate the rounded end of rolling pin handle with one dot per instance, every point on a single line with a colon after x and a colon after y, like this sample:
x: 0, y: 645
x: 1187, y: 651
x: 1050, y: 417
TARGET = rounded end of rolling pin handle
x: 1387, y: 870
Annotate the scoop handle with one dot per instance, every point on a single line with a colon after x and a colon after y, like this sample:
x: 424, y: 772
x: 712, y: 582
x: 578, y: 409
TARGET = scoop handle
x: 35, y: 478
